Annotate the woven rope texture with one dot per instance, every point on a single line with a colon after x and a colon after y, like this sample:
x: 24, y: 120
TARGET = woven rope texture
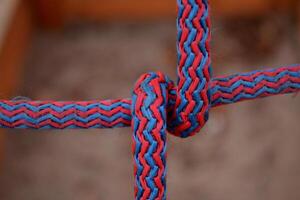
x: 157, y: 104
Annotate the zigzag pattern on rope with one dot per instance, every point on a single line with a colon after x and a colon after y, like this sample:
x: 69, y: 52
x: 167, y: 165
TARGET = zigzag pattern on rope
x: 61, y: 115
x: 157, y: 105
x: 117, y: 113
x: 149, y: 103
x: 256, y: 84
x: 193, y: 98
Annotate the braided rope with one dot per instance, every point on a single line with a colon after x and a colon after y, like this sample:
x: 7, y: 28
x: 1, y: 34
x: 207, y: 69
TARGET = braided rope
x: 149, y: 103
x: 157, y: 105
x: 193, y: 98
x: 117, y: 113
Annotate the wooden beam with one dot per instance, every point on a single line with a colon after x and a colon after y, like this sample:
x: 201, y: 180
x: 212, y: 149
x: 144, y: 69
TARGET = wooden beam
x: 56, y: 13
x: 49, y: 13
x: 16, y: 35
x: 237, y: 8
x: 137, y: 10
x: 13, y: 48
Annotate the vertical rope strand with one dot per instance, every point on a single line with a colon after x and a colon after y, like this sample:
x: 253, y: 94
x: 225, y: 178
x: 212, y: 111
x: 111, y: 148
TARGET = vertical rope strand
x: 194, y: 70
x: 149, y: 122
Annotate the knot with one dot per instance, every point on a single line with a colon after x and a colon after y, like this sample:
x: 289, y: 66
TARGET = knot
x: 184, y: 109
x: 157, y: 106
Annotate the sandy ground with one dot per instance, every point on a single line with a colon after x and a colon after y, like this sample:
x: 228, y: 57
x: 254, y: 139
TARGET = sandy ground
x: 247, y: 151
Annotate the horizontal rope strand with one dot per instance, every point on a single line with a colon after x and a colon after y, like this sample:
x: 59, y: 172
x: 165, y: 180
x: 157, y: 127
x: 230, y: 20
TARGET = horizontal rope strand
x: 117, y: 113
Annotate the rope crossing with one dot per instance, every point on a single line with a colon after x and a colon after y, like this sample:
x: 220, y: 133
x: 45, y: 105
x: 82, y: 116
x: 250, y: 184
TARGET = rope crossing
x: 157, y: 105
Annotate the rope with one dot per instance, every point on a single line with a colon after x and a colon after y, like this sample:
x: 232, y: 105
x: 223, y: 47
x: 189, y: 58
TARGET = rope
x: 117, y: 113
x: 157, y: 105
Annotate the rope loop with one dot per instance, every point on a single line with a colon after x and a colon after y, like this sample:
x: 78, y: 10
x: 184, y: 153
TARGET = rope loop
x: 156, y: 108
x: 157, y: 105
x: 159, y: 86
x: 153, y: 103
x: 190, y: 101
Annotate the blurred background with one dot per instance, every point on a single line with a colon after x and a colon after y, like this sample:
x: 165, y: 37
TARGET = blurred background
x: 96, y: 49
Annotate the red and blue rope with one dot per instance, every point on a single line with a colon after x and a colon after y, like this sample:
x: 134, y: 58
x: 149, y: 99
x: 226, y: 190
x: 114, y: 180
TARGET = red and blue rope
x: 157, y: 105
x: 117, y: 113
